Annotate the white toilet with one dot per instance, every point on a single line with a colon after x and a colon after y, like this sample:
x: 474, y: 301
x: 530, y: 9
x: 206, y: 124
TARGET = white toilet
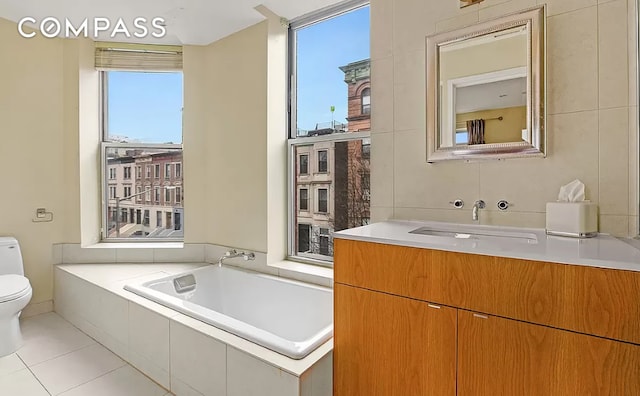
x: 15, y: 293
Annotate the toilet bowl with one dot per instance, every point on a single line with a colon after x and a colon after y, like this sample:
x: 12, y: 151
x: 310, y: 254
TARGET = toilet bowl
x: 15, y: 294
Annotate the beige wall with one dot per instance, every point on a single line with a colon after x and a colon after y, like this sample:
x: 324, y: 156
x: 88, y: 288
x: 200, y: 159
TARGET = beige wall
x: 31, y: 153
x: 235, y: 140
x: 591, y: 117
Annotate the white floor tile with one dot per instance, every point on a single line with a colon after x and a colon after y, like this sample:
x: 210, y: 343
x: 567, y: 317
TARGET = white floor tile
x: 10, y: 364
x: 21, y: 383
x: 47, y: 321
x: 49, y: 337
x: 125, y: 381
x: 76, y: 368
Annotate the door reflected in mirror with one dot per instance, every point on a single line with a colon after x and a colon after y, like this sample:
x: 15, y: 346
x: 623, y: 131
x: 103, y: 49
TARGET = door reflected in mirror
x: 486, y: 89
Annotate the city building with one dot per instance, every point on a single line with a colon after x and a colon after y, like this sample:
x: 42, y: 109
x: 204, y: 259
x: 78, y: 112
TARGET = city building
x: 332, y: 178
x: 146, y: 189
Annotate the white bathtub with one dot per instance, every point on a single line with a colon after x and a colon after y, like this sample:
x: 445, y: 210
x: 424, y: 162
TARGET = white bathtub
x: 291, y: 318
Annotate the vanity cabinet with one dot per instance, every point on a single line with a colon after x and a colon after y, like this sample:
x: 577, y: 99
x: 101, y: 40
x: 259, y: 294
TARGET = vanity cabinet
x: 521, y: 327
x: 389, y: 345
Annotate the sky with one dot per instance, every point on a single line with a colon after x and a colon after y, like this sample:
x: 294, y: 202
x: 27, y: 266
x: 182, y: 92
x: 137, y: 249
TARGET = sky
x: 321, y: 49
x: 147, y: 107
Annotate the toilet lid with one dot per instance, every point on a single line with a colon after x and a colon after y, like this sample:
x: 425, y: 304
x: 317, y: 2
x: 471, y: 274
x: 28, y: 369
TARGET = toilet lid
x: 12, y: 287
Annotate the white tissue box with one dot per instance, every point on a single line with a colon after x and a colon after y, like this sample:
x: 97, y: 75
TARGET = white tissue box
x: 574, y: 219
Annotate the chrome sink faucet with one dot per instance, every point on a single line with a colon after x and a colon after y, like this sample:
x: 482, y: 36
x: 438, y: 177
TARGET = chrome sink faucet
x: 234, y: 253
x: 479, y: 204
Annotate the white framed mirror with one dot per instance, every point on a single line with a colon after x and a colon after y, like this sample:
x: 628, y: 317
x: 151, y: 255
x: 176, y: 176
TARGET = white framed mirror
x: 486, y: 89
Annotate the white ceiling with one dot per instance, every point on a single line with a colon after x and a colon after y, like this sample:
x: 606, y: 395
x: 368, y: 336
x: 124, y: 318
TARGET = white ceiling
x: 195, y: 22
x: 495, y: 95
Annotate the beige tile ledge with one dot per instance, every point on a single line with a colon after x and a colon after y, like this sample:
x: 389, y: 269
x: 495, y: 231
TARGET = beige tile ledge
x: 113, y: 277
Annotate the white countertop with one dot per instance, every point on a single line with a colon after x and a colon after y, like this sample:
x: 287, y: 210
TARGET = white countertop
x: 602, y: 251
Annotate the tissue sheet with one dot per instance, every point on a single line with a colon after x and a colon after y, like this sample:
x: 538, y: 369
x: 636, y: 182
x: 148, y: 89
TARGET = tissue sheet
x: 572, y: 192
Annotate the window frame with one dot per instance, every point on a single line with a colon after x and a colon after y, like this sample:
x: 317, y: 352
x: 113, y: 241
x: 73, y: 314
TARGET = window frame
x: 105, y: 145
x: 362, y: 104
x: 293, y: 140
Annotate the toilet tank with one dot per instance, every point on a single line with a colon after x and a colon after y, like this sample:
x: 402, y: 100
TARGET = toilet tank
x: 10, y: 257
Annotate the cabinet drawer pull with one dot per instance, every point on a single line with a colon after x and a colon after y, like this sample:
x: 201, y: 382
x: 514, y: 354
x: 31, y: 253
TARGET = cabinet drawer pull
x: 475, y: 315
x: 433, y: 306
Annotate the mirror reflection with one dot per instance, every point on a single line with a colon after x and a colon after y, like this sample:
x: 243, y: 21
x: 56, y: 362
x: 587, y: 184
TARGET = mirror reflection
x: 484, y: 98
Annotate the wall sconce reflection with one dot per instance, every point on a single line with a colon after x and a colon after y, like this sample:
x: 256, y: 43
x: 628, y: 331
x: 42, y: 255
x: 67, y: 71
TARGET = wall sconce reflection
x: 466, y: 3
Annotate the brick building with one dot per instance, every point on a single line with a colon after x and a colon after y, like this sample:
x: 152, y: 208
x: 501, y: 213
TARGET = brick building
x: 148, y: 190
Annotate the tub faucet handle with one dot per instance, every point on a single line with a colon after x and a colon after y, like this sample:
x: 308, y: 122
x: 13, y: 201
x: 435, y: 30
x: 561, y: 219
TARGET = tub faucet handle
x: 248, y: 256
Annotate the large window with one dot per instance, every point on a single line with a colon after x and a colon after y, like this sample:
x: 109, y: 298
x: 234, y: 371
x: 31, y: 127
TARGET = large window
x: 330, y: 127
x: 142, y: 130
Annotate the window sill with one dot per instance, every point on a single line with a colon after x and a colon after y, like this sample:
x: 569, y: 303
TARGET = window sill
x: 136, y: 245
x: 305, y: 269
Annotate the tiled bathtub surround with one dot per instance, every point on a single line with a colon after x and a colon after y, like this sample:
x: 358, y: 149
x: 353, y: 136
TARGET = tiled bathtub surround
x: 180, y: 353
x: 591, y: 122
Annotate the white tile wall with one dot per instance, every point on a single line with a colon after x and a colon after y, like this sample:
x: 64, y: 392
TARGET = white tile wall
x: 149, y: 343
x: 197, y: 360
x: 263, y: 380
x: 591, y: 99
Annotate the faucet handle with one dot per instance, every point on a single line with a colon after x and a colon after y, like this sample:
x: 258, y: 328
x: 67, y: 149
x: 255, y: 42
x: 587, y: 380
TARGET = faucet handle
x: 458, y: 203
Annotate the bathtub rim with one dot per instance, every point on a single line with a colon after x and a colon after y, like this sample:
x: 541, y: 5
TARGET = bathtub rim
x: 294, y: 349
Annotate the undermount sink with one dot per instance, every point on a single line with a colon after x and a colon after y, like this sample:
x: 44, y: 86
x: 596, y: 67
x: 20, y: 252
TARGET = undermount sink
x: 460, y: 231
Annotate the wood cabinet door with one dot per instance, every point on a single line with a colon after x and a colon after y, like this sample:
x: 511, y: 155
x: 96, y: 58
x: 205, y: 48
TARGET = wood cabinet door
x: 498, y: 356
x: 386, y: 345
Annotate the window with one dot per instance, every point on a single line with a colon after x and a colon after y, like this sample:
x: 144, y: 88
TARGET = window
x: 178, y: 195
x: 112, y: 192
x: 322, y: 200
x: 141, y: 123
x: 159, y: 219
x: 304, y: 234
x: 304, y: 164
x: 322, y: 161
x: 178, y: 222
x: 304, y: 199
x: 167, y: 196
x: 323, y: 241
x: 365, y: 100
x: 329, y: 139
x: 178, y: 170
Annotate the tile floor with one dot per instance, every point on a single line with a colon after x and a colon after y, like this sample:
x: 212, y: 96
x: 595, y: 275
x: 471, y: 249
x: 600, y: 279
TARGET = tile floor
x: 59, y: 359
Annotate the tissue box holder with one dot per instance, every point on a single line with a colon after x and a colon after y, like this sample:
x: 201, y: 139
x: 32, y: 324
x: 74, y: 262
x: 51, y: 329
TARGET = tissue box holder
x: 572, y: 219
